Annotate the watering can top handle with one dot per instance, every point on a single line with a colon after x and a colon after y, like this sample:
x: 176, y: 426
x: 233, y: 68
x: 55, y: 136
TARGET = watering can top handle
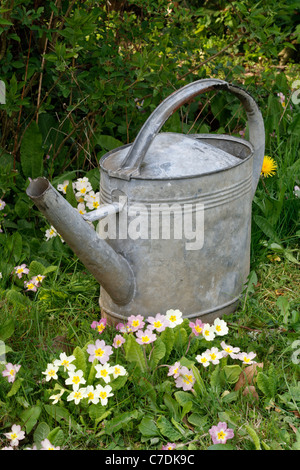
x: 131, y: 165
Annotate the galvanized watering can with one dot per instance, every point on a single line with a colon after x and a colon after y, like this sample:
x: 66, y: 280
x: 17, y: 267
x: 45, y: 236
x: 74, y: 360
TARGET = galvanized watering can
x: 175, y: 216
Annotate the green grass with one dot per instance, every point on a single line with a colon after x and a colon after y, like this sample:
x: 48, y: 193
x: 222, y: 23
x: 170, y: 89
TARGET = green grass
x: 59, y: 320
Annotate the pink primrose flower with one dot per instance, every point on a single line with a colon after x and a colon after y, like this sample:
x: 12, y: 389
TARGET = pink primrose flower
x: 118, y: 341
x: 135, y: 322
x: 145, y: 337
x: 185, y: 379
x: 99, y: 351
x: 20, y: 270
x: 11, y: 371
x: 169, y: 446
x: 30, y: 286
x: 158, y: 323
x: 15, y: 435
x: 123, y: 328
x: 197, y: 327
x: 175, y: 370
x: 221, y: 433
x: 99, y: 325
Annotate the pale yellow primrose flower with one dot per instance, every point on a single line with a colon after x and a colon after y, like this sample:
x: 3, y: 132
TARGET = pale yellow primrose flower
x: 76, y: 395
x: 51, y: 372
x: 63, y: 187
x: 220, y: 326
x: 90, y: 394
x: 104, y: 393
x: 118, y: 370
x: 65, y: 361
x: 56, y: 397
x: 174, y: 317
x: 103, y: 372
x: 75, y: 379
x: 208, y: 332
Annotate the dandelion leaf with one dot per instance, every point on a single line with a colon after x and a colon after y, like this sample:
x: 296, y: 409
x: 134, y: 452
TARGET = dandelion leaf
x: 119, y: 421
x: 56, y: 436
x: 253, y: 436
x: 168, y: 430
x: 148, y: 428
x: 80, y: 359
x: 15, y: 387
x: 232, y: 373
x: 134, y: 353
x: 41, y: 432
x: 158, y: 353
x: 168, y: 338
x: 30, y: 417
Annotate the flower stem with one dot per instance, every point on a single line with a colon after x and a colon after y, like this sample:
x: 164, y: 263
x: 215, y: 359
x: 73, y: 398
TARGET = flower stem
x: 189, y: 343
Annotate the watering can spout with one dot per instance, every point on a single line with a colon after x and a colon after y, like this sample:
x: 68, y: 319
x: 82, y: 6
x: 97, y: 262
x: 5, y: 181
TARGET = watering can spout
x: 109, y: 268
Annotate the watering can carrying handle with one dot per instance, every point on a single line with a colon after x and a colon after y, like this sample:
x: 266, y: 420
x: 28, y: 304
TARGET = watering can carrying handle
x: 131, y: 165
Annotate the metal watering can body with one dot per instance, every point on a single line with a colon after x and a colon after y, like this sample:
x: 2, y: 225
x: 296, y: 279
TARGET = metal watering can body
x: 175, y: 216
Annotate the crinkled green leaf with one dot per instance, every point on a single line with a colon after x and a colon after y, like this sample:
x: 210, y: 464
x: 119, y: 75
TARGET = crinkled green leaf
x: 134, y: 352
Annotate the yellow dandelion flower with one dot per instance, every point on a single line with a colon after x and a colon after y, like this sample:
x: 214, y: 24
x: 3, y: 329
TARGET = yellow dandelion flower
x: 269, y: 167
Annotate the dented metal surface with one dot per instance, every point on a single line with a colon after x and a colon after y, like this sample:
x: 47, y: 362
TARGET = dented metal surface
x: 170, y: 178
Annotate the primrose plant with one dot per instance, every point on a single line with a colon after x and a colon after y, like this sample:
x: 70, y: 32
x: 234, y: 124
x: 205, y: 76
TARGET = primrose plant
x: 166, y: 347
x: 142, y: 341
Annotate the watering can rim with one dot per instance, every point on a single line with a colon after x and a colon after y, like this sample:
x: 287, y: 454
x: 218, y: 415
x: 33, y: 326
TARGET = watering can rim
x: 141, y: 176
x: 131, y: 165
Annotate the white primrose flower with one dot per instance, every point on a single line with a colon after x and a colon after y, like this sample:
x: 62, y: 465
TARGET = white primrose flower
x: 57, y: 396
x: 76, y: 395
x: 63, y: 187
x: 51, y: 372
x: 82, y: 187
x: 247, y: 358
x: 103, y: 372
x: 89, y: 393
x: 208, y: 332
x: 50, y: 233
x: 65, y: 361
x: 220, y: 326
x: 203, y: 359
x: 215, y: 355
x: 75, y: 379
x: 174, y: 317
x: 81, y: 208
x: 118, y: 370
x: 103, y: 393
x: 92, y: 200
x: 230, y: 350
x: 46, y: 445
